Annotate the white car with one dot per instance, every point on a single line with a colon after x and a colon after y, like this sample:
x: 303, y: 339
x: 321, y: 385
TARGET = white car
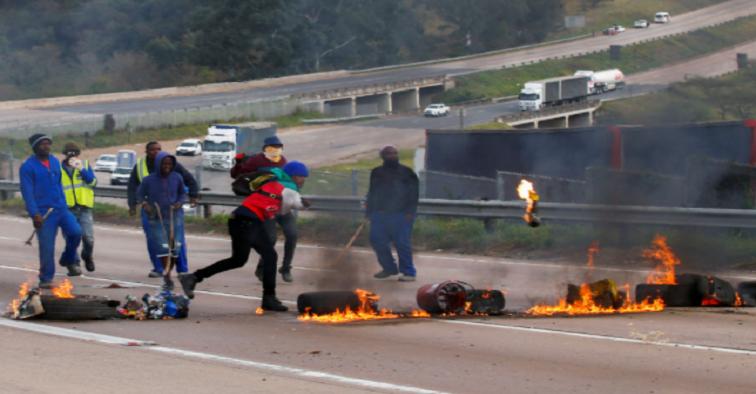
x: 120, y: 176
x: 105, y: 163
x: 641, y: 24
x: 662, y: 17
x: 437, y: 110
x: 191, y: 147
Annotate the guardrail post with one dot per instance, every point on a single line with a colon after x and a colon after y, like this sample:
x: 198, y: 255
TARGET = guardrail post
x: 353, y: 180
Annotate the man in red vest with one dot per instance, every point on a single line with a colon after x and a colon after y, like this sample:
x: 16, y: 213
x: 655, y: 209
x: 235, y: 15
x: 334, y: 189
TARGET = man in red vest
x: 247, y: 230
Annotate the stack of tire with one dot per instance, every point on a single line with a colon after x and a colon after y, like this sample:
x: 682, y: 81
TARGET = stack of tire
x: 690, y: 290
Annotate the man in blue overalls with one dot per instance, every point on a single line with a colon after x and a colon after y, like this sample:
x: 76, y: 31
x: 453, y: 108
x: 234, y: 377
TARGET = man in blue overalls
x: 46, y: 204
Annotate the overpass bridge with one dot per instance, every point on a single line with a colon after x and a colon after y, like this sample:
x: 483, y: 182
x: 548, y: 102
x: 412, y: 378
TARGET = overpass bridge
x: 568, y: 115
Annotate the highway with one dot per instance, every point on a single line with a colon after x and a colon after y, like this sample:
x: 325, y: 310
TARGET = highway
x: 146, y: 101
x: 224, y: 345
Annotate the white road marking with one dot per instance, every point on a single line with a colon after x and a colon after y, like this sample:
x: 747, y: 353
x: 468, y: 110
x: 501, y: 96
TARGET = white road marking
x: 274, y: 368
x: 605, y: 337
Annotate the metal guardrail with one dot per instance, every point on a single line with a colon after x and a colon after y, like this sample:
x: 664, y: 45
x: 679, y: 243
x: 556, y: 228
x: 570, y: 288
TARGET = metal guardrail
x: 558, y: 212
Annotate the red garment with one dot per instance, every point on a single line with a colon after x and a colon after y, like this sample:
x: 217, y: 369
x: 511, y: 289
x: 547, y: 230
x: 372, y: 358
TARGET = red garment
x: 254, y: 163
x: 263, y: 205
x: 45, y: 163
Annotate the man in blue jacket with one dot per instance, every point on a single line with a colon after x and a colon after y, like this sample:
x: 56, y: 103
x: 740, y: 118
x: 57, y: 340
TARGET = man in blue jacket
x: 43, y: 196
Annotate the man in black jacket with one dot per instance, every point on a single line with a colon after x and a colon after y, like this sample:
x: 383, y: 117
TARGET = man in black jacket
x: 391, y: 207
x: 146, y: 166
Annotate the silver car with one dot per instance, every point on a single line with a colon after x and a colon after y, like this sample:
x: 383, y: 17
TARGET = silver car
x: 105, y: 163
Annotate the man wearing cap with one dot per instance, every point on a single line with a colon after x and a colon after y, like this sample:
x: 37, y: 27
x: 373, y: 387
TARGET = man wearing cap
x: 45, y: 202
x: 391, y: 207
x: 78, y: 182
x: 269, y: 159
x: 144, y: 167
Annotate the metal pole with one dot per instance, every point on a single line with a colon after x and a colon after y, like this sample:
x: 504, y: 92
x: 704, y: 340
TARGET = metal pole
x: 461, y: 118
x: 354, y: 182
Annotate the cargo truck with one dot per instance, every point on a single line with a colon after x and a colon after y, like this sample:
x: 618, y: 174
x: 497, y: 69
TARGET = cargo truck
x: 603, y: 81
x: 555, y: 91
x: 224, y: 141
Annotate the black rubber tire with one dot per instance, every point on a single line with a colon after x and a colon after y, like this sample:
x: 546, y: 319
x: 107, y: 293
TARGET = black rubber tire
x: 490, y: 302
x: 79, y: 308
x: 673, y: 295
x: 718, y: 289
x: 747, y: 292
x: 325, y: 302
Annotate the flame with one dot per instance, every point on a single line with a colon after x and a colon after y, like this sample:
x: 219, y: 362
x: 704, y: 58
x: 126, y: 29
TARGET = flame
x: 738, y: 300
x: 526, y: 191
x: 259, y: 311
x: 587, y: 306
x: 709, y: 302
x: 364, y: 312
x: 63, y: 290
x: 664, y: 273
x: 593, y: 249
x: 23, y: 290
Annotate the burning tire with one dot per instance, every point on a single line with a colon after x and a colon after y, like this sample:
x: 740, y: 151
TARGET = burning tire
x: 747, y: 291
x: 326, y: 302
x: 716, y: 292
x: 673, y: 295
x: 79, y: 308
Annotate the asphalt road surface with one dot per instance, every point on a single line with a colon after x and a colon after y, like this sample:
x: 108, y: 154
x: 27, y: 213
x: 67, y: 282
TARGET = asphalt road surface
x: 225, y: 346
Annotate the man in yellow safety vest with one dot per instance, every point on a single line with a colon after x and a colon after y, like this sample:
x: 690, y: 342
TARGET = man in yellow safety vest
x: 79, y: 181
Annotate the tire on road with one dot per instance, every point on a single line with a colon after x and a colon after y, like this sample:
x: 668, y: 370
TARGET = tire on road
x: 673, y: 295
x: 747, y: 292
x: 325, y: 302
x: 79, y: 308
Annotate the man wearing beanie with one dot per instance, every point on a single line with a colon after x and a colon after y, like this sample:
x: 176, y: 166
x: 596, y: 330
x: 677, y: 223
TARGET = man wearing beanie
x: 79, y: 181
x: 45, y: 202
x: 270, y: 157
x: 247, y: 230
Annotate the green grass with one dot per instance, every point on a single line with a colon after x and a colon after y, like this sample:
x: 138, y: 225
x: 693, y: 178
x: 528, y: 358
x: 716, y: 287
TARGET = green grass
x: 731, y: 97
x: 635, y: 58
x: 336, y: 180
x: 490, y: 126
x: 104, y: 139
x: 623, y: 12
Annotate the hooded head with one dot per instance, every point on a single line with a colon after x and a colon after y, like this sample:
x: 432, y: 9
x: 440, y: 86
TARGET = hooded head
x: 165, y: 163
x: 273, y: 149
x: 297, y: 171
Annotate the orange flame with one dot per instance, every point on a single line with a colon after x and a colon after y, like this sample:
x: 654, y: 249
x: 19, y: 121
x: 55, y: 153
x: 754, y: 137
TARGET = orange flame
x: 709, y: 302
x: 526, y: 191
x: 738, y: 300
x: 364, y: 312
x: 587, y: 306
x: 664, y: 273
x: 63, y: 290
x: 23, y: 290
x: 593, y: 249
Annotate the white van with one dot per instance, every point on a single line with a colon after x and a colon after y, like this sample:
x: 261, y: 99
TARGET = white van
x: 662, y: 17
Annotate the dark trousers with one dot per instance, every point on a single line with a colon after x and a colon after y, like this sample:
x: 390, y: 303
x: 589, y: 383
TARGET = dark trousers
x: 288, y: 225
x: 245, y: 236
x: 387, y: 228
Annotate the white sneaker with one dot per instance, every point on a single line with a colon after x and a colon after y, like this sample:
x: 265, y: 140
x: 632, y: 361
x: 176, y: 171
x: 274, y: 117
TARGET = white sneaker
x: 406, y: 278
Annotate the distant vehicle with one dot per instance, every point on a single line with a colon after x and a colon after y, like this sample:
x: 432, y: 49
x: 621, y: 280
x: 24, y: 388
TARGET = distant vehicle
x: 603, y: 81
x: 555, y: 91
x: 126, y: 158
x: 190, y: 147
x: 223, y: 142
x: 121, y: 176
x: 662, y: 17
x: 437, y: 110
x: 105, y: 163
x: 614, y: 30
x: 641, y: 24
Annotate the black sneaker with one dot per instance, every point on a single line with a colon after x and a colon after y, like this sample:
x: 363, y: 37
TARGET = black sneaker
x: 188, y: 283
x: 271, y: 303
x: 89, y: 264
x: 168, y: 284
x: 74, y: 270
x: 155, y: 274
x: 286, y: 276
x: 384, y: 275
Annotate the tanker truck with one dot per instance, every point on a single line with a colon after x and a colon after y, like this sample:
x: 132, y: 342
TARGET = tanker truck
x: 603, y: 81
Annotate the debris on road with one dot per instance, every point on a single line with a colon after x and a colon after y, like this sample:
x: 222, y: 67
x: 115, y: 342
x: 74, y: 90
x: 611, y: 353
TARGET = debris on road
x: 346, y: 306
x: 162, y: 306
x: 459, y: 298
x: 62, y: 304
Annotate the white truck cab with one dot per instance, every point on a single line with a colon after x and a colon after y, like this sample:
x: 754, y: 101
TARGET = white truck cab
x: 662, y: 17
x: 531, y: 96
x: 219, y: 147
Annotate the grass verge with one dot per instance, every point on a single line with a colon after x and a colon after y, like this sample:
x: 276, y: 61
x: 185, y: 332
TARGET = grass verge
x: 103, y: 139
x: 635, y: 58
x: 730, y: 97
x: 349, y: 178
x: 701, y: 250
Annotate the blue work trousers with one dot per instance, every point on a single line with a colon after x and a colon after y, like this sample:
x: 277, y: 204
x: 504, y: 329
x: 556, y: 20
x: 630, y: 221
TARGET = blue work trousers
x: 182, y: 264
x: 393, y: 228
x: 46, y: 236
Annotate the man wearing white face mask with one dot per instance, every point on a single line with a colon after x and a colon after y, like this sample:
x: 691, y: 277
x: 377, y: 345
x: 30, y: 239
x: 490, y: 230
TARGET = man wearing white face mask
x: 272, y: 157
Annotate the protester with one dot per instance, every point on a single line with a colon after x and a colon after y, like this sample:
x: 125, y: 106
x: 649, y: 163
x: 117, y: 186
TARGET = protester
x: 161, y: 195
x: 247, y: 229
x: 78, y: 181
x: 144, y: 167
x: 391, y: 207
x: 45, y: 202
x: 271, y: 159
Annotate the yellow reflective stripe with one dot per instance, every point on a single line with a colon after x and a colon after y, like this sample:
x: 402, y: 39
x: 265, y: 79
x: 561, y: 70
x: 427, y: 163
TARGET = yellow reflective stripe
x: 142, y: 170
